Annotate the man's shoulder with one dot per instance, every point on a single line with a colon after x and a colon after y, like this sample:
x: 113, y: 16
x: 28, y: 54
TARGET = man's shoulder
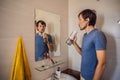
x: 99, y: 32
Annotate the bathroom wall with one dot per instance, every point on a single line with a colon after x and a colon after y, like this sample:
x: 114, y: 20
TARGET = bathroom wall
x: 17, y: 19
x: 108, y: 12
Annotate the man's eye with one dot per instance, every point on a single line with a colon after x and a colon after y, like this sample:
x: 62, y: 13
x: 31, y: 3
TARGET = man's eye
x: 40, y: 26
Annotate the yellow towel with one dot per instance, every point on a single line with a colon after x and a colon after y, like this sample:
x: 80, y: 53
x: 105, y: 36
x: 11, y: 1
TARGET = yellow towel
x: 20, y: 67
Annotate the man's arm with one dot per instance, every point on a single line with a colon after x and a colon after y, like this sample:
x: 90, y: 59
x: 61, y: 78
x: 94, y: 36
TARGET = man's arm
x: 78, y: 49
x: 50, y: 46
x: 101, y: 56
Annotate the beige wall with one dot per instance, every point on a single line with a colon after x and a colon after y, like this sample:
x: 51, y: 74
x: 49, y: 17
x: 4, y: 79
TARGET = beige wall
x: 108, y: 12
x: 17, y: 19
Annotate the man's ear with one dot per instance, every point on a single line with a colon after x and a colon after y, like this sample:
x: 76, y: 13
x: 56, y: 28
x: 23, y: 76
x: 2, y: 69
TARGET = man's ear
x: 87, y: 19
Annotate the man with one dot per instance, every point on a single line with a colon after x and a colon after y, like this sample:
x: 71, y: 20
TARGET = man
x: 43, y: 41
x: 93, y: 50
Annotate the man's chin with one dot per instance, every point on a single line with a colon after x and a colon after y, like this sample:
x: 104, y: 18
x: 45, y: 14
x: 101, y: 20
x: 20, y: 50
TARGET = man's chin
x: 82, y: 29
x: 42, y: 31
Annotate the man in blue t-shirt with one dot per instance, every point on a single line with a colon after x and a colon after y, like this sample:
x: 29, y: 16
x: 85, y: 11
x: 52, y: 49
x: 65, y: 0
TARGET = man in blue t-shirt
x: 93, y: 50
x: 43, y: 41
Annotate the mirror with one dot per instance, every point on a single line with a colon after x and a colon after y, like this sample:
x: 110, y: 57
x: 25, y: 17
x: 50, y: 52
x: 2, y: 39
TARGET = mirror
x: 47, y: 34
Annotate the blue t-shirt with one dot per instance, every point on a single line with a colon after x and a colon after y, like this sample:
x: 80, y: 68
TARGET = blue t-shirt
x: 40, y: 47
x: 95, y: 40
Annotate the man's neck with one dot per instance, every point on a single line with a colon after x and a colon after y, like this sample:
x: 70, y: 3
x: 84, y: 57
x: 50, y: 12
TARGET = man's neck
x: 41, y: 34
x: 89, y: 29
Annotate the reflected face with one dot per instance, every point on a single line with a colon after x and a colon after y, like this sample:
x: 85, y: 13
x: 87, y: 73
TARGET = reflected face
x: 41, y: 28
x: 82, y: 23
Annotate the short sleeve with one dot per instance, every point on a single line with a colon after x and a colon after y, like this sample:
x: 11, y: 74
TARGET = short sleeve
x: 50, y: 38
x: 100, y: 41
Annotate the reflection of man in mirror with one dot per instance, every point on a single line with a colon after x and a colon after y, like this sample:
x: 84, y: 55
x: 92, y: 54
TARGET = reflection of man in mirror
x: 43, y: 41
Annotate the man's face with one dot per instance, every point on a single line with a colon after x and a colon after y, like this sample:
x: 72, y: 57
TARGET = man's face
x: 41, y: 28
x: 82, y: 23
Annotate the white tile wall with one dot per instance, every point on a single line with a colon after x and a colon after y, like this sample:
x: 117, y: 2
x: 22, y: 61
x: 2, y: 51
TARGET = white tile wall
x: 17, y: 19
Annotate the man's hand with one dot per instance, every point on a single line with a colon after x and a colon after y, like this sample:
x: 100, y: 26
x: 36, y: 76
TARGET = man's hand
x: 45, y: 36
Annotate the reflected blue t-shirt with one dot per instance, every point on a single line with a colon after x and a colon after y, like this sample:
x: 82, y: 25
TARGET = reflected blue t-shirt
x: 94, y: 40
x: 40, y: 47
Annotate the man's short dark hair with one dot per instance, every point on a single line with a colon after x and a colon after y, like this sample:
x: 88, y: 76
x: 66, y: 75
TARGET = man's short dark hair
x: 88, y: 13
x: 40, y: 21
